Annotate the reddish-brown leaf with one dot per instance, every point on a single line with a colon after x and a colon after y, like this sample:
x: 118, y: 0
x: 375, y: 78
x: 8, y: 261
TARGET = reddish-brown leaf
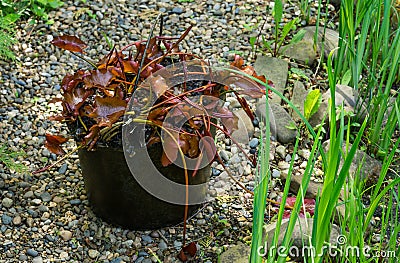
x: 229, y: 120
x: 194, y: 149
x: 74, y: 99
x: 157, y: 115
x: 70, y: 82
x: 247, y: 86
x: 53, y: 143
x: 182, y: 257
x: 238, y: 62
x: 309, y: 207
x: 184, y: 142
x: 100, y: 78
x: 190, y: 250
x: 110, y: 59
x: 108, y: 110
x: 71, y: 43
x: 170, y: 149
x: 207, y: 147
x: 153, y: 139
x: 91, y: 139
x: 158, y: 85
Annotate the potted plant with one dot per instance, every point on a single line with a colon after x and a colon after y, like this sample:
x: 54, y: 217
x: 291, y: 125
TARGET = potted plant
x: 117, y: 113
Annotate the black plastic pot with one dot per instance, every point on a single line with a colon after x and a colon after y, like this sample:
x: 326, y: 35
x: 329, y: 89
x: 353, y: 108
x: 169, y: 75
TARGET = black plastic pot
x: 117, y: 197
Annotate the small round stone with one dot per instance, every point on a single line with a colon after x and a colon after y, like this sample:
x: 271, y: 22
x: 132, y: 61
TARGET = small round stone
x: 254, y: 143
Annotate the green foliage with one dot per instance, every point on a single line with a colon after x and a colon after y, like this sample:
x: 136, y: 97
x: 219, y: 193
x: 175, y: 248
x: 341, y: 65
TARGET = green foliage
x: 261, y: 189
x: 305, y: 9
x: 299, y: 73
x: 369, y: 46
x: 312, y: 103
x: 6, y: 39
x: 11, y: 11
x: 8, y: 159
x: 280, y: 36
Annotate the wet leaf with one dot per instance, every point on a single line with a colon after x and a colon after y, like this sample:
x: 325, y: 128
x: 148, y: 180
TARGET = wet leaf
x: 53, y: 143
x: 74, y: 99
x: 100, y: 78
x: 71, y: 43
x: 208, y: 148
x: 130, y: 66
x: 229, y: 120
x: 246, y: 86
x: 170, y: 149
x: 70, y: 82
x: 158, y: 85
x: 157, y: 115
x: 108, y: 110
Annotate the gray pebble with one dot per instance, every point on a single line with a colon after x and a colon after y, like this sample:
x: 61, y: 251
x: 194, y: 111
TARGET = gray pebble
x: 6, y: 219
x: 177, y: 244
x: 46, y: 197
x: 23, y: 258
x: 224, y: 155
x: 28, y: 194
x: 37, y: 260
x: 201, y: 222
x: 63, y: 169
x: 75, y: 202
x: 93, y: 254
x: 276, y: 173
x: 31, y: 252
x: 36, y: 201
x: 281, y: 151
x: 162, y: 245
x: 147, y: 239
x: 254, y: 143
x: 177, y: 10
x: 7, y: 202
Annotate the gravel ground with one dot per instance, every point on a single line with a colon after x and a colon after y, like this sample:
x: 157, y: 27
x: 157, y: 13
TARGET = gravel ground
x: 46, y: 217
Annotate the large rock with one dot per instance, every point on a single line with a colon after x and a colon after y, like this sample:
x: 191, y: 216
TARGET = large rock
x: 331, y: 39
x: 273, y: 69
x: 245, y: 129
x: 298, y: 97
x: 343, y: 94
x: 281, y: 124
x: 313, y: 189
x: 236, y: 254
x: 301, y: 234
x: 369, y: 167
x: 304, y: 51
